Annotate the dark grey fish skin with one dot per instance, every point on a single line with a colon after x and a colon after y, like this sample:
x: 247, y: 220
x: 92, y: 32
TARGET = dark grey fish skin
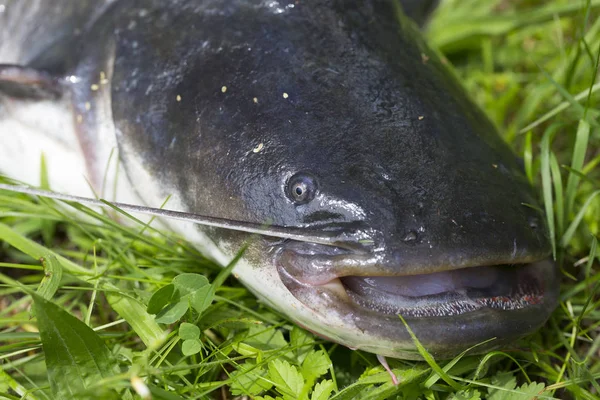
x: 380, y: 129
x: 232, y: 105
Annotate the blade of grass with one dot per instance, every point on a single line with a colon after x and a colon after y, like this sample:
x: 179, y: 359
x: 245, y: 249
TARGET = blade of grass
x: 579, y: 151
x: 432, y: 380
x: 52, y: 277
x: 452, y: 35
x: 545, y: 170
x: 559, y: 108
x: 577, y: 220
x: 581, y: 110
x: 558, y: 195
x: 134, y: 312
x: 429, y: 358
x: 36, y: 250
x: 528, y: 157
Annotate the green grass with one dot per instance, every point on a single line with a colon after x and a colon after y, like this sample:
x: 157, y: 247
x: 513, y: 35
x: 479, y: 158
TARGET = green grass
x: 530, y: 64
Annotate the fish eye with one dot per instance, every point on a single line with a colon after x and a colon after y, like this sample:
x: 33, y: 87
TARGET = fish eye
x: 301, y: 188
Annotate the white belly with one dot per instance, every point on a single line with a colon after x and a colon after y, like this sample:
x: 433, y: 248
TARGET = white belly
x: 30, y: 130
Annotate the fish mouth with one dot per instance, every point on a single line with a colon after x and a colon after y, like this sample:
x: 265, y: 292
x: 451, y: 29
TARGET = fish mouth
x: 449, y: 293
x: 471, y: 304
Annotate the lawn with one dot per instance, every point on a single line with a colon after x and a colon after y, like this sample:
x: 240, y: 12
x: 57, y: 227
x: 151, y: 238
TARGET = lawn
x: 91, y: 286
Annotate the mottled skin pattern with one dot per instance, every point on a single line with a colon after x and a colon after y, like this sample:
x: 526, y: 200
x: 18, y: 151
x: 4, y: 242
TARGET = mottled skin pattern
x: 220, y: 102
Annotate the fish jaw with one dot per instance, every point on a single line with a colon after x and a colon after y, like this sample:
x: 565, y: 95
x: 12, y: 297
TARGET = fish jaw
x: 450, y: 311
x: 446, y: 319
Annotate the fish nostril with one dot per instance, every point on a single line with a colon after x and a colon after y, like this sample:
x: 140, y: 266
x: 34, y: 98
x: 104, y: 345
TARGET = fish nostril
x: 533, y: 223
x: 410, y: 237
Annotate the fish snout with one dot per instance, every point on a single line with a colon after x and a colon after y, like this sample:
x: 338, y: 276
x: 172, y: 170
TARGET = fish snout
x: 367, y: 288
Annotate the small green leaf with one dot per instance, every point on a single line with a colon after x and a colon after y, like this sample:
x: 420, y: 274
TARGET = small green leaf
x: 408, y: 378
x: 302, y: 342
x: 286, y: 378
x: 52, y: 277
x: 529, y: 391
x: 315, y: 364
x: 506, y: 384
x: 190, y: 347
x: 202, y: 298
x: 322, y: 390
x: 160, y: 299
x: 172, y: 313
x: 161, y: 394
x: 468, y: 394
x: 76, y: 357
x: 506, y: 381
x: 195, y: 289
x: 249, y: 380
x: 188, y: 331
x: 265, y: 339
x: 187, y: 284
x: 6, y: 381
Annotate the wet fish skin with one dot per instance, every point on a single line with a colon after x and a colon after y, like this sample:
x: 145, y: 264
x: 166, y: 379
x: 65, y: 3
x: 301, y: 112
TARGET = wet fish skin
x: 413, y: 137
x: 220, y: 103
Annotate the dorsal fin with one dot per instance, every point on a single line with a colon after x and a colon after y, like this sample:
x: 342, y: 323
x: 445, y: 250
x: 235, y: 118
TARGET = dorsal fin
x: 27, y: 83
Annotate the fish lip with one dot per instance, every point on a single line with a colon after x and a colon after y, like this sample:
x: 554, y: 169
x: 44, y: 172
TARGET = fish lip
x: 501, y: 287
x: 523, y: 287
x: 444, y: 335
x: 317, y: 264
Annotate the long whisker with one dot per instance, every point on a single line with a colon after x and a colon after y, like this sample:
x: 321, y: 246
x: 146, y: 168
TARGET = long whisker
x: 331, y: 238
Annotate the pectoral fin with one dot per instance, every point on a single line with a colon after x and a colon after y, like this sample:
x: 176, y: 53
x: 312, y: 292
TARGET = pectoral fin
x: 24, y: 83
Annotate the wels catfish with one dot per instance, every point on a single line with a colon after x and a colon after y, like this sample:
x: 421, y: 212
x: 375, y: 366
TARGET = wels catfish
x: 328, y: 127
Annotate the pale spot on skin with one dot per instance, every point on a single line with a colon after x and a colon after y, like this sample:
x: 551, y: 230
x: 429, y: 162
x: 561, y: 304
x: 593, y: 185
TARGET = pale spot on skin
x: 285, y: 95
x: 103, y: 79
x: 223, y: 89
x: 258, y: 148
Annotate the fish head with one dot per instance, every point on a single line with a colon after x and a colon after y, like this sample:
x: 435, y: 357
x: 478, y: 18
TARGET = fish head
x: 340, y: 122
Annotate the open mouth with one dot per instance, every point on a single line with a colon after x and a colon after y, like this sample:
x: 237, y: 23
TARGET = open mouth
x: 436, y: 294
x: 452, y: 292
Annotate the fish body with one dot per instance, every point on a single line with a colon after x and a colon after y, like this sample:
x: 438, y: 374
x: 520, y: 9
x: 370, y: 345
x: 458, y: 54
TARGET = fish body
x: 330, y: 118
